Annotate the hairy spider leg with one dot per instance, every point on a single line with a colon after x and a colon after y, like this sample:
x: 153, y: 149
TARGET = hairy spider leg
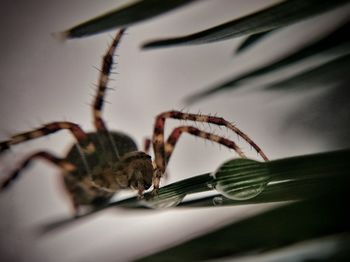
x: 147, y: 142
x: 169, y: 146
x: 163, y: 150
x: 219, y: 121
x: 47, y: 129
x: 107, y: 64
x: 146, y: 145
x: 64, y: 165
x: 176, y: 133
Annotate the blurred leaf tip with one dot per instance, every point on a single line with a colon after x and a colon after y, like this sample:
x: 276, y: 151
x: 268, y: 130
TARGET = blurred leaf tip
x: 132, y: 12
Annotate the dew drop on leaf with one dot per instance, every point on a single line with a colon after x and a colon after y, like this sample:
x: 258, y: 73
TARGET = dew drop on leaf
x: 210, y: 185
x: 241, y: 179
x: 218, y: 201
x: 158, y: 202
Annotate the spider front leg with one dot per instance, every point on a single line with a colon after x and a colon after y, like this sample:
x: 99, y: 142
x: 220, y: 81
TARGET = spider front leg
x: 62, y: 164
x: 219, y: 121
x: 50, y: 128
x: 175, y: 135
x: 163, y: 150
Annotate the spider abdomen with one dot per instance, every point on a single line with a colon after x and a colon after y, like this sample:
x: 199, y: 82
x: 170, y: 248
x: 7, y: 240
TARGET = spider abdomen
x: 92, y: 169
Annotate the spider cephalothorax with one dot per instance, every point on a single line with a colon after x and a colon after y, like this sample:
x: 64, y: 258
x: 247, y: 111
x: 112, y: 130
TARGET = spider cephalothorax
x: 101, y: 163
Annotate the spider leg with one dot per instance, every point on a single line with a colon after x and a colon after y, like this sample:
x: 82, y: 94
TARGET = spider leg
x: 146, y: 145
x: 169, y: 146
x: 64, y: 165
x: 107, y: 64
x: 175, y: 135
x: 146, y: 148
x: 219, y: 121
x: 50, y: 128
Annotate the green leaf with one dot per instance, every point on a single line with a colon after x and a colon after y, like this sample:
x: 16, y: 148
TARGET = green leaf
x: 167, y: 196
x: 284, y: 179
x: 277, y: 16
x: 126, y: 16
x: 333, y: 43
x: 294, y: 178
x: 252, y: 40
x: 316, y: 217
x: 329, y: 73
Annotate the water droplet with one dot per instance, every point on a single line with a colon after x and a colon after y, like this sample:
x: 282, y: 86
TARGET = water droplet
x: 164, y: 203
x: 218, y: 201
x: 240, y: 192
x: 241, y: 179
x: 210, y: 185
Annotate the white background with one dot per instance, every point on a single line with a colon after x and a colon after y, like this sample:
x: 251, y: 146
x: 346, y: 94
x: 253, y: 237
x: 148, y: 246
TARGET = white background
x: 43, y: 80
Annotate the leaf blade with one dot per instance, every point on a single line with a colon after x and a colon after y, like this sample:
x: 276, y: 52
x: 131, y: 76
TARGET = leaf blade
x: 308, y: 175
x: 332, y: 43
x: 273, y: 17
x: 282, y: 226
x: 121, y: 17
x: 251, y: 41
x: 328, y: 73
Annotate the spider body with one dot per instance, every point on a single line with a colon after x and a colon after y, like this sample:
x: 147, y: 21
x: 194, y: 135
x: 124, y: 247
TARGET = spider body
x: 97, y: 176
x: 103, y: 162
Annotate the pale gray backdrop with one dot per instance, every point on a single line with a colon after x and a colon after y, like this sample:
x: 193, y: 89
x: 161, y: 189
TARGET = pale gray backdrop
x: 43, y: 80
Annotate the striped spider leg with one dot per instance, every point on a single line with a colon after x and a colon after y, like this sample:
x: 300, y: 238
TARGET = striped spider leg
x: 47, y: 129
x: 163, y: 149
x: 100, y: 163
x: 103, y: 162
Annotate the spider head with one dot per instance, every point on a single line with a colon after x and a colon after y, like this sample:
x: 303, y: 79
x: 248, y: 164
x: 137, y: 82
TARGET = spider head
x: 135, y: 171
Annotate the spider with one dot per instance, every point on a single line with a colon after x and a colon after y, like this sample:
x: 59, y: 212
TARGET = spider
x: 103, y: 162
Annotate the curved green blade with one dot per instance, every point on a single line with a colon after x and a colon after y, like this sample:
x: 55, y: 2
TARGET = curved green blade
x: 323, y: 212
x: 126, y: 16
x: 313, y: 218
x: 251, y: 40
x: 329, y: 73
x: 333, y: 42
x: 277, y: 16
x: 288, y: 179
